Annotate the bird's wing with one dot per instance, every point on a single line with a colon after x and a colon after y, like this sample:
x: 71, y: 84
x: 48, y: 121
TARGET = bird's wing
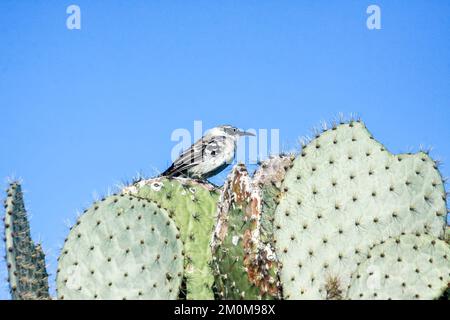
x: 195, y: 154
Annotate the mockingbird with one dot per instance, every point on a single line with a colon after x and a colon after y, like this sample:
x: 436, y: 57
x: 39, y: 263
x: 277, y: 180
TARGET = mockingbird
x: 209, y: 155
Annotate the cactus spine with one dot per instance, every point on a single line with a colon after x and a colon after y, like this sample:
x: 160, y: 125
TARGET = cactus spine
x: 25, y: 260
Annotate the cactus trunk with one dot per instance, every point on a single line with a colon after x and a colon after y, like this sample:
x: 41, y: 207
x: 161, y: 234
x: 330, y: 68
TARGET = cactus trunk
x: 245, y: 264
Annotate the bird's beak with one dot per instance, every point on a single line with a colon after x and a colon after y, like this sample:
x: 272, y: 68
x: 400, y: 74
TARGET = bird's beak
x: 245, y: 133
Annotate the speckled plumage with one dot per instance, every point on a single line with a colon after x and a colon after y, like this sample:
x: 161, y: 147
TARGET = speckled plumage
x: 208, y: 156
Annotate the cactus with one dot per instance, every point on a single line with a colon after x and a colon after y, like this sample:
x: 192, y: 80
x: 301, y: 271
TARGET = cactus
x: 192, y: 205
x: 345, y: 194
x: 28, y: 278
x: 345, y: 220
x: 404, y: 267
x: 121, y: 248
x: 244, y: 261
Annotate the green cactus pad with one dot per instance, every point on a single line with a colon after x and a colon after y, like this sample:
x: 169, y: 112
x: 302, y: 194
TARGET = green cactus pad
x: 27, y: 275
x: 121, y: 248
x: 344, y: 194
x: 192, y: 205
x: 244, y: 261
x: 405, y: 267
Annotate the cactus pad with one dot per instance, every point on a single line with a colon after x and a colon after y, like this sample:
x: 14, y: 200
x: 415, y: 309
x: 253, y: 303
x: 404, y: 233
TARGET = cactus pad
x: 192, y: 205
x: 121, y: 248
x: 345, y: 194
x: 405, y: 267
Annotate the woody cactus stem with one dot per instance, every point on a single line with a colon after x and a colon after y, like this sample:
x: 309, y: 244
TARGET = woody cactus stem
x: 245, y: 265
x: 28, y: 278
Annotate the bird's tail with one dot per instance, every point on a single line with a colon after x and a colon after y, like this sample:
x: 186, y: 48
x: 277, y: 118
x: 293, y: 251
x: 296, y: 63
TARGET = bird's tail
x: 170, y: 172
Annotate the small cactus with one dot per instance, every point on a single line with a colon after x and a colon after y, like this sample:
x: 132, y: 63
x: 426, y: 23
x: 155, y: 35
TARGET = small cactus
x: 121, y: 248
x: 345, y: 194
x: 192, y: 206
x: 404, y: 267
x: 28, y: 278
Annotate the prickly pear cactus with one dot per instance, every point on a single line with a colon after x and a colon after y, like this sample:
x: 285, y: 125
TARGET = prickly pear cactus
x: 121, y: 248
x: 25, y: 260
x: 405, y: 267
x: 192, y: 205
x: 345, y: 194
x: 244, y: 261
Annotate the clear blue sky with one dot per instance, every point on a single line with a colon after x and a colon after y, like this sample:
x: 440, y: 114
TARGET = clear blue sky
x: 82, y: 110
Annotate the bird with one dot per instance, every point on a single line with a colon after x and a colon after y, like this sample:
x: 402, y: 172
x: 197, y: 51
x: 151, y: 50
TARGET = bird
x: 208, y: 156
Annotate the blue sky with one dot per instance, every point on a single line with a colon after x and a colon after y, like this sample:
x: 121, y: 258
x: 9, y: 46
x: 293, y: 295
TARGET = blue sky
x: 82, y: 110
